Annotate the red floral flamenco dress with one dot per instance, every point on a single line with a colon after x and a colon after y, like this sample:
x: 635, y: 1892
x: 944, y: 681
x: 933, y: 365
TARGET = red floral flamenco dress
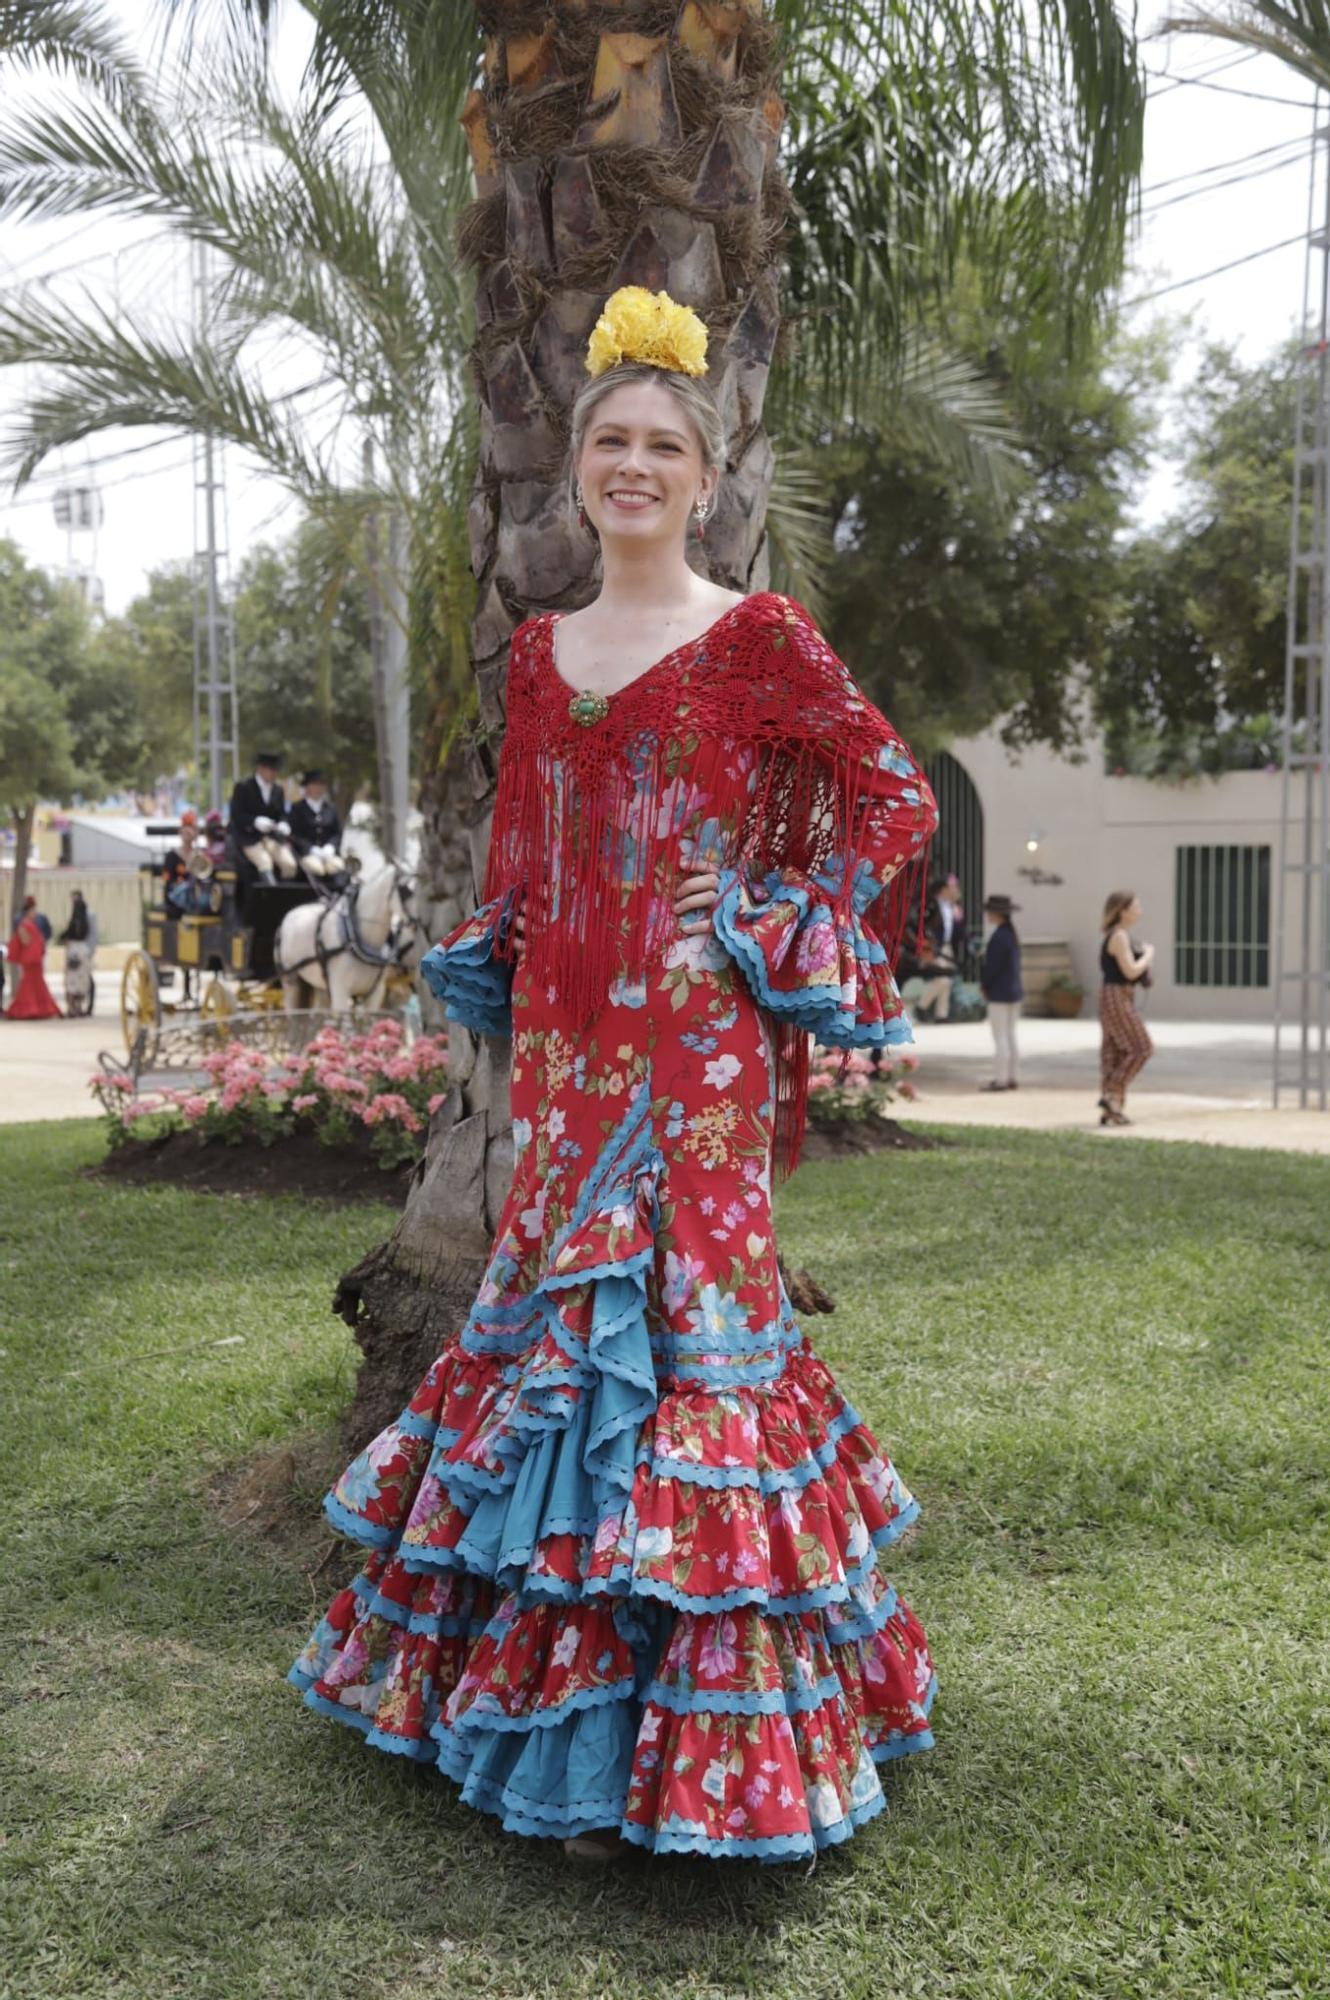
x: 623, y: 1539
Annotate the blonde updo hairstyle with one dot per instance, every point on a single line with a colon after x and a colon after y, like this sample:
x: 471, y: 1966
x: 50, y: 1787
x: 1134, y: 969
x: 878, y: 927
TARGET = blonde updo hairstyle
x: 693, y: 397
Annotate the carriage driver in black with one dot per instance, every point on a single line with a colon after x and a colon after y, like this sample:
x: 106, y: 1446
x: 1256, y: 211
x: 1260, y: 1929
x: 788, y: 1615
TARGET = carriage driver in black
x: 259, y: 828
x: 316, y: 833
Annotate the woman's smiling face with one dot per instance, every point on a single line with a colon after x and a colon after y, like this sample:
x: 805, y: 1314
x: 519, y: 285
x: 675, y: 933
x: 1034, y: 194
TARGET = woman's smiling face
x: 641, y: 468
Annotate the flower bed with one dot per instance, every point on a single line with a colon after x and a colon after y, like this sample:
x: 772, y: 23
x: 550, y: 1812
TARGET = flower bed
x: 844, y: 1089
x: 338, y: 1088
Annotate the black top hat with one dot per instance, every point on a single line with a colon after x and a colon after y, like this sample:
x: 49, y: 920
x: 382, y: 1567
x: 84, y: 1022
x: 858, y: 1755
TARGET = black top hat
x: 273, y: 758
x: 1000, y: 906
x: 314, y: 777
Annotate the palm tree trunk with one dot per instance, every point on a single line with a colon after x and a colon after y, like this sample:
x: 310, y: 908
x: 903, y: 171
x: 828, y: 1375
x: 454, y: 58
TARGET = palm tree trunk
x: 603, y: 158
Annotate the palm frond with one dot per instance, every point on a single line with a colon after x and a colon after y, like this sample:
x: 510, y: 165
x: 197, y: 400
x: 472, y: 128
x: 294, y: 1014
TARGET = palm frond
x: 1297, y: 33
x: 74, y: 39
x: 799, y: 538
x: 106, y: 371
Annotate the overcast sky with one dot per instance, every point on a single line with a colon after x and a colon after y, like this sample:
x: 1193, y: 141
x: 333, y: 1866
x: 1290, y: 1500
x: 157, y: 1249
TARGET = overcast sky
x: 1200, y: 135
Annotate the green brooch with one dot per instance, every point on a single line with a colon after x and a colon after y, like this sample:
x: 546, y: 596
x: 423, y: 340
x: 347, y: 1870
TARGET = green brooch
x: 588, y: 708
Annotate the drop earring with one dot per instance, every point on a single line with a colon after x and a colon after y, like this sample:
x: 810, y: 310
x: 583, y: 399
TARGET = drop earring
x: 581, y: 507
x: 702, y: 512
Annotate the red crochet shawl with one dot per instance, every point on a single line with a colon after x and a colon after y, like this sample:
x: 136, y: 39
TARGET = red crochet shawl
x: 578, y: 828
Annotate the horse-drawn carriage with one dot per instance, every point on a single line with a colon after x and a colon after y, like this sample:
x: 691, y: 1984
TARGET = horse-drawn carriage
x: 251, y: 950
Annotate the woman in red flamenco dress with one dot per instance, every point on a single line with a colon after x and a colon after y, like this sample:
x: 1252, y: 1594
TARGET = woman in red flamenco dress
x: 34, y: 1000
x: 622, y: 1577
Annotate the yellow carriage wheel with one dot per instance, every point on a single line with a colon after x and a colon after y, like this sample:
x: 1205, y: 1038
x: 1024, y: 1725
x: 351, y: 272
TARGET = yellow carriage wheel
x: 140, y: 1003
x: 216, y: 1007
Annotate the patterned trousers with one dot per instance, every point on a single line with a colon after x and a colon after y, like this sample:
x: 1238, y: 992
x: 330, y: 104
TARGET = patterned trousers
x: 1126, y: 1047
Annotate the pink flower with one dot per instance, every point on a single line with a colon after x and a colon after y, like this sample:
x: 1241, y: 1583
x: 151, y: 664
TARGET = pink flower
x: 273, y: 1090
x: 439, y: 1097
x: 391, y: 1105
x: 306, y: 1101
x: 194, y: 1106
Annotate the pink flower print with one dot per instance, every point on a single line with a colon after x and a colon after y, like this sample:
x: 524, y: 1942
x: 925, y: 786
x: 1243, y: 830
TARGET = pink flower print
x: 756, y: 1790
x: 707, y: 1204
x: 791, y: 1513
x: 650, y: 1729
x: 721, y: 1071
x: 681, y: 1275
x: 875, y: 1668
x: 607, y: 1534
x: 745, y: 1565
x: 785, y: 1797
x: 815, y: 949
x: 431, y: 1495
x: 555, y: 1124
x: 737, y: 1820
x: 564, y: 1650
x: 385, y: 1447
x: 717, y: 1657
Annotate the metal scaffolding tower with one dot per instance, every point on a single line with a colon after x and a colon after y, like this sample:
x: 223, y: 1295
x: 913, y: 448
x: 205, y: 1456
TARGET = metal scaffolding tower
x: 216, y: 706
x: 1302, y: 917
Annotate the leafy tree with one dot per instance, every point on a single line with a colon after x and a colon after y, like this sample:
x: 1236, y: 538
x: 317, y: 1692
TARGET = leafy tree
x: 957, y: 603
x: 1192, y: 672
x: 57, y: 733
x: 302, y: 652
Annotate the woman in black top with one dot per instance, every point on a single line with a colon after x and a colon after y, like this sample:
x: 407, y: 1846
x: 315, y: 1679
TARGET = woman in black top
x: 1126, y: 1047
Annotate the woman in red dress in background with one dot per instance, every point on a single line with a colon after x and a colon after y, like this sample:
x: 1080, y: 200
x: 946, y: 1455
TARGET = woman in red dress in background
x: 622, y: 1574
x: 34, y: 1000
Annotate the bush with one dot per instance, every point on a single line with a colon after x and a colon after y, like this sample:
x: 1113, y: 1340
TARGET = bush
x: 843, y: 1086
x: 337, y: 1087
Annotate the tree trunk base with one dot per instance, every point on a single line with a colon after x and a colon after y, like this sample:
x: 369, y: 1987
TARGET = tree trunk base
x: 401, y: 1324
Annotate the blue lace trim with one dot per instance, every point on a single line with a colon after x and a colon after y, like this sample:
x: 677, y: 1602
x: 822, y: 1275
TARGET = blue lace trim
x: 476, y: 1719
x: 445, y: 1626
x: 354, y: 1527
x: 767, y: 1701
x: 537, y: 1820
x: 817, y: 1010
x: 687, y: 1837
x: 474, y: 986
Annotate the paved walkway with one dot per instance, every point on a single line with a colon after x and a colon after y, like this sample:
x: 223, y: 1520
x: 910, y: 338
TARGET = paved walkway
x: 1208, y: 1081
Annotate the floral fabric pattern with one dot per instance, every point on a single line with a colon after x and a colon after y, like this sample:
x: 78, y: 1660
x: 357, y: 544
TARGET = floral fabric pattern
x: 623, y: 1541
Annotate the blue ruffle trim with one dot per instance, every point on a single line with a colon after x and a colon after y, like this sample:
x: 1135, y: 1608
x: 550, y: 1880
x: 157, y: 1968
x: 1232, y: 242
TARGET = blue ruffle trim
x: 816, y: 1009
x: 682, y: 1836
x: 463, y: 972
x: 768, y: 1701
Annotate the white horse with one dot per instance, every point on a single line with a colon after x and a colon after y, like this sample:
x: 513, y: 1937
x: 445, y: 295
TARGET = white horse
x: 346, y: 947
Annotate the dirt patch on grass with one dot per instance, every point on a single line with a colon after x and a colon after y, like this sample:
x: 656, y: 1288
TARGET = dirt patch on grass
x: 276, y: 1496
x: 299, y: 1165
x: 852, y: 1138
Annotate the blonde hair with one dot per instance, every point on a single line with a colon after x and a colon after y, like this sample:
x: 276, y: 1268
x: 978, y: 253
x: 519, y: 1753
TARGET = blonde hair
x: 1119, y: 900
x: 695, y: 400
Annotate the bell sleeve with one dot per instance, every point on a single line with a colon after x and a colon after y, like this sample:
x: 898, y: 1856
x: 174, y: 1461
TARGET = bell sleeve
x: 469, y: 974
x: 795, y: 913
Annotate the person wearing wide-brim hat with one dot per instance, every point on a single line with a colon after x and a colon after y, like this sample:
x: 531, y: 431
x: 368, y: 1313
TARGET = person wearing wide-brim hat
x: 1000, y: 982
x: 260, y: 830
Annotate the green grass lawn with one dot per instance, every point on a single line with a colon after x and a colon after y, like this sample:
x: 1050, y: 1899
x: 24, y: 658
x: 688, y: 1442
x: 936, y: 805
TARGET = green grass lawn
x: 1102, y: 1368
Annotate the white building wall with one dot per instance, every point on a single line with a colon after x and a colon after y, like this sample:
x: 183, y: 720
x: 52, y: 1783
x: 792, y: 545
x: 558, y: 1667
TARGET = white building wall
x: 1098, y: 833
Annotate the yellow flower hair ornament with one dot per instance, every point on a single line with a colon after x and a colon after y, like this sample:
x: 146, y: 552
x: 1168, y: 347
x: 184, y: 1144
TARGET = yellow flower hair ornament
x: 637, y: 325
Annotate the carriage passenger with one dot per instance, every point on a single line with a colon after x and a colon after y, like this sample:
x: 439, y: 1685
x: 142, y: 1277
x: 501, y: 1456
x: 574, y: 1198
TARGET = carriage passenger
x: 260, y: 829
x: 316, y: 833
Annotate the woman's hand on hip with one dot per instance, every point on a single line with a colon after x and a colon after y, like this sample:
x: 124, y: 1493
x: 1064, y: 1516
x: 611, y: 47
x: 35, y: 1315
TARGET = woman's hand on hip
x: 695, y: 899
